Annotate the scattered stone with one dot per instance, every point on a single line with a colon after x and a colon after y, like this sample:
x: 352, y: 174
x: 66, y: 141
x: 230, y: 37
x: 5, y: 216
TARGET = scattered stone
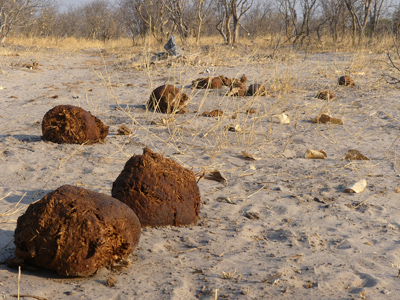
x: 256, y: 90
x: 167, y: 99
x: 346, y: 81
x: 75, y: 232
x: 123, y: 130
x: 72, y: 125
x: 159, y: 190
x: 326, y: 95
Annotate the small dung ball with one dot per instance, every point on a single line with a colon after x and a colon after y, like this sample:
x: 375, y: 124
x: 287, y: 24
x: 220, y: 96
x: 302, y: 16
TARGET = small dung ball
x: 167, y: 99
x: 256, y: 89
x: 75, y: 232
x: 346, y: 81
x: 326, y: 95
x: 159, y: 190
x: 72, y: 125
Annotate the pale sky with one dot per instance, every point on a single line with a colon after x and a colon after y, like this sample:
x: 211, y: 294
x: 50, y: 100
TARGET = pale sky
x: 65, y: 3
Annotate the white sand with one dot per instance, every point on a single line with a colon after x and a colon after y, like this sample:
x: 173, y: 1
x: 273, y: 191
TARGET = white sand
x: 310, y: 241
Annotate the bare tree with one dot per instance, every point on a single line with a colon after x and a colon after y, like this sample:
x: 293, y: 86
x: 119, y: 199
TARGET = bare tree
x: 238, y: 9
x: 304, y: 29
x: 375, y: 15
x: 359, y: 11
x: 288, y: 14
x: 334, y: 12
x: 176, y: 12
x: 15, y: 12
x: 202, y: 8
x: 99, y: 20
x: 224, y: 20
x: 152, y: 13
x: 131, y: 19
x: 261, y: 20
x: 231, y: 11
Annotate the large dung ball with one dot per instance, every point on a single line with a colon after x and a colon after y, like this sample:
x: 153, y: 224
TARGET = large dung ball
x: 72, y: 125
x: 167, y: 99
x: 159, y: 190
x: 74, y: 231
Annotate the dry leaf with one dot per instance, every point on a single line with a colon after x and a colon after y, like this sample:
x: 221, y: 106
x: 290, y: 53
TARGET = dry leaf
x: 324, y: 118
x: 357, y: 187
x: 249, y: 156
x: 215, y: 175
x: 316, y: 154
x: 282, y: 119
x: 353, y: 154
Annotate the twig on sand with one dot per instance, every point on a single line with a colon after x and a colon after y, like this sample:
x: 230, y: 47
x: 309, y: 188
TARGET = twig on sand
x: 29, y: 296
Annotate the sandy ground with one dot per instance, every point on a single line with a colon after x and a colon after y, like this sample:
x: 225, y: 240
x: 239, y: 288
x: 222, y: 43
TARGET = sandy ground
x: 279, y: 227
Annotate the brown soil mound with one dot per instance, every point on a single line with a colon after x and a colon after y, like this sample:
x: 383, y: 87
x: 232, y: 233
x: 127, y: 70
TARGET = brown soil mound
x: 256, y: 90
x: 74, y: 231
x: 167, y: 99
x: 326, y: 95
x: 213, y: 113
x: 72, y: 125
x: 346, y: 81
x: 159, y: 190
x: 211, y: 83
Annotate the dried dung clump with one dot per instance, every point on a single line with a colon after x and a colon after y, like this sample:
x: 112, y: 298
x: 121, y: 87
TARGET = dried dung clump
x: 324, y: 118
x: 159, y: 190
x: 238, y: 87
x: 326, y: 95
x: 72, y: 125
x: 213, y: 113
x: 124, y: 130
x: 75, y: 232
x: 256, y: 89
x: 167, y: 99
x: 354, y: 154
x: 346, y: 81
x: 211, y: 83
